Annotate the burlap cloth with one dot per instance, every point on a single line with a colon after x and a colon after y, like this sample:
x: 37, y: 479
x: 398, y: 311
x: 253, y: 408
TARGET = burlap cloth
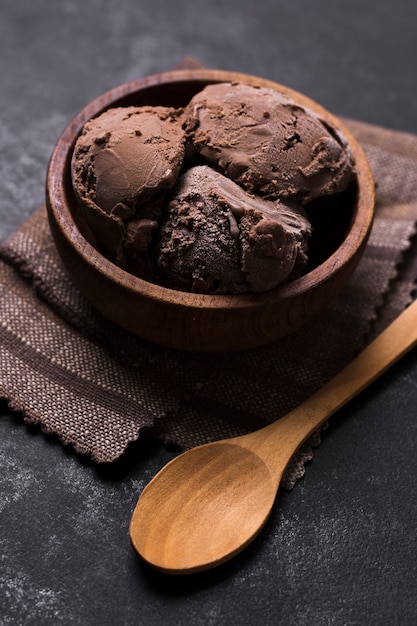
x: 97, y: 387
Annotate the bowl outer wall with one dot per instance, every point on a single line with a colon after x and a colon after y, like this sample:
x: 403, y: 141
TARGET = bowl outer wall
x: 194, y: 321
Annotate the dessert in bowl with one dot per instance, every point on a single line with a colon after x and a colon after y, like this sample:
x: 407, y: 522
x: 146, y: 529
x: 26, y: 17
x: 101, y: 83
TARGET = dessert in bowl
x: 244, y: 236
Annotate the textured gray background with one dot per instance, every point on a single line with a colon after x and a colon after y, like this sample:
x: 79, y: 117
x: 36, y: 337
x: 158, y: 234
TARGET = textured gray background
x: 340, y: 549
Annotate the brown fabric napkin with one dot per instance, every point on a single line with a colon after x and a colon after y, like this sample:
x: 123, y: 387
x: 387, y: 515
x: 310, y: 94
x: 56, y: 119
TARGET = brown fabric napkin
x: 97, y: 387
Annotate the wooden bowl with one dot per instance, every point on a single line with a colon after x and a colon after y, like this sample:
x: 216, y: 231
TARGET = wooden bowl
x: 205, y: 322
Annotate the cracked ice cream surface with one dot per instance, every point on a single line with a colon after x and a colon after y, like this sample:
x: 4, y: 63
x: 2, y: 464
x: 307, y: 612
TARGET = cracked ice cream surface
x: 267, y: 143
x: 220, y: 239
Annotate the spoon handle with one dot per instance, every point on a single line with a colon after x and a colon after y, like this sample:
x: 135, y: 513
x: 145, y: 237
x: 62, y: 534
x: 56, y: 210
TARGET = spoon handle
x: 296, y: 426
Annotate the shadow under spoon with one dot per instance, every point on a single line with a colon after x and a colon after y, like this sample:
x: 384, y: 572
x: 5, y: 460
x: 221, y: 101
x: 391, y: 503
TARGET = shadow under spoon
x: 208, y: 503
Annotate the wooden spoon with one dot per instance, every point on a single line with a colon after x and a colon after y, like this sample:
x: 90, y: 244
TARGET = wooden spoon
x: 208, y: 503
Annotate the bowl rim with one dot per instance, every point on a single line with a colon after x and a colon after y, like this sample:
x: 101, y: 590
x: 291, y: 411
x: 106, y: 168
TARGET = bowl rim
x: 60, y: 212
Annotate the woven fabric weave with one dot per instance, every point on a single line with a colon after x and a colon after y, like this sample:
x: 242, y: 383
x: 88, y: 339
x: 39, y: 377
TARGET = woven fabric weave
x: 97, y: 387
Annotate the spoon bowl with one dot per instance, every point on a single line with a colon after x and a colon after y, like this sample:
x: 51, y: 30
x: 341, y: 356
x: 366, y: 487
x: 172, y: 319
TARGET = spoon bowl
x: 207, y: 504
x: 196, y: 535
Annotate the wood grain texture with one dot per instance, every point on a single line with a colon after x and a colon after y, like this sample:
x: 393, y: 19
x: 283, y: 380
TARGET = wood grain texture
x: 207, y: 504
x: 184, y: 320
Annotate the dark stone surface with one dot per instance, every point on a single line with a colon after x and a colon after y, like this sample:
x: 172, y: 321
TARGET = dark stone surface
x: 339, y: 549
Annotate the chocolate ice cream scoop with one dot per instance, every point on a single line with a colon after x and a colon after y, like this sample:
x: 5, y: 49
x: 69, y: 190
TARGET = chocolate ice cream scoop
x: 251, y: 158
x: 217, y: 238
x: 122, y: 164
x: 267, y: 143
